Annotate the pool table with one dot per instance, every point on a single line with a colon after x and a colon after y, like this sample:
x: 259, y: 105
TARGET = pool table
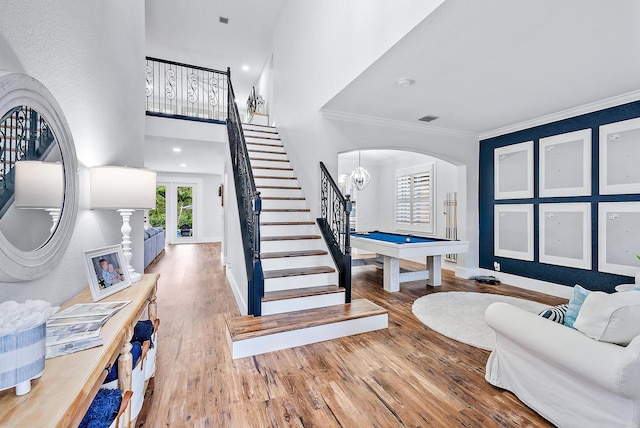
x: 396, y: 246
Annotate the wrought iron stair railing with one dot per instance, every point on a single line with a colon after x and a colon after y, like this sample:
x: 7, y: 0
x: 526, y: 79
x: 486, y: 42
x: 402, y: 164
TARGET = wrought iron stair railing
x: 334, y: 226
x: 249, y: 204
x: 183, y: 91
x: 24, y: 135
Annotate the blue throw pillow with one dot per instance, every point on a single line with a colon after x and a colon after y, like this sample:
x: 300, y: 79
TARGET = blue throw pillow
x: 576, y: 301
x: 555, y: 314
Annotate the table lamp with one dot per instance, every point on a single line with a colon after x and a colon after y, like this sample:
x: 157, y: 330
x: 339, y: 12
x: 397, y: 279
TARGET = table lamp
x: 123, y: 189
x: 39, y: 185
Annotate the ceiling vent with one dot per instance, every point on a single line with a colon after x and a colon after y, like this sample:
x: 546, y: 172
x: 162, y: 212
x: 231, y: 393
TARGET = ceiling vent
x: 428, y: 118
x: 224, y: 20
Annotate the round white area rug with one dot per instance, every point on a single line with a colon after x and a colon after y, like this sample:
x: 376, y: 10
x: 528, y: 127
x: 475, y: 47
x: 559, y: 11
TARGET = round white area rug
x: 460, y: 315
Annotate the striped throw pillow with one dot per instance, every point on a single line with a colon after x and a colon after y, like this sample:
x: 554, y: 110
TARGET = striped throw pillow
x: 555, y: 314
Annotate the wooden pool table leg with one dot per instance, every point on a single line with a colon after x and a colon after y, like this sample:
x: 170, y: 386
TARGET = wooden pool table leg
x: 391, y: 274
x: 434, y: 266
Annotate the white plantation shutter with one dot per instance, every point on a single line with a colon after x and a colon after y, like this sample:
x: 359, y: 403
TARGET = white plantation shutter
x: 414, y: 199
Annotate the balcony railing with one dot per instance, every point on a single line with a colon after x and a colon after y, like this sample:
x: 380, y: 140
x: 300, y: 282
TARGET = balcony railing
x: 184, y: 91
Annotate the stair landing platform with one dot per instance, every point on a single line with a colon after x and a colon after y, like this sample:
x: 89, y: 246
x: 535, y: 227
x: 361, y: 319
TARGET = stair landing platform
x: 248, y: 335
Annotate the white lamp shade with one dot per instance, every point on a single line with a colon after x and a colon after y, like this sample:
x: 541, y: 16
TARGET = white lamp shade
x: 121, y: 187
x: 39, y: 184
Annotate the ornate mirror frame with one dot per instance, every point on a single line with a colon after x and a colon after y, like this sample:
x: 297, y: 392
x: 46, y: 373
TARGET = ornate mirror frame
x: 15, y: 264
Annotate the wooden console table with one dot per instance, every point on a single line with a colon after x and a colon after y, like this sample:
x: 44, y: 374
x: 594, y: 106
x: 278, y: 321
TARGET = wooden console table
x: 62, y: 395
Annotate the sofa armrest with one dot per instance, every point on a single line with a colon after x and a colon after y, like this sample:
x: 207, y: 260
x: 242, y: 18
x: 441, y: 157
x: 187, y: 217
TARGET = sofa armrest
x: 613, y: 367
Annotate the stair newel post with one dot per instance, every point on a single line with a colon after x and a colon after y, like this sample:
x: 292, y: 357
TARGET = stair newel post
x: 346, y: 271
x: 258, y: 274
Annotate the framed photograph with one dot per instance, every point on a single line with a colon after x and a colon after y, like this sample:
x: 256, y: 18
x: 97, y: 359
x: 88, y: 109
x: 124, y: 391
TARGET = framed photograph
x: 618, y: 232
x: 565, y: 164
x: 513, y: 231
x: 106, y: 271
x: 565, y: 234
x: 619, y: 157
x: 513, y: 173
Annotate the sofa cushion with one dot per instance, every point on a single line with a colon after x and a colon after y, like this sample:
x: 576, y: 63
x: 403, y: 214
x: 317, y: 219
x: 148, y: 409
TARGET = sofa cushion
x: 613, y: 318
x: 577, y: 298
x: 555, y: 313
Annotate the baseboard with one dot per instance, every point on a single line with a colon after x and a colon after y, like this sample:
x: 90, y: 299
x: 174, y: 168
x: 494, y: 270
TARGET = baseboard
x: 211, y: 239
x: 466, y: 273
x: 242, y: 305
x: 531, y: 284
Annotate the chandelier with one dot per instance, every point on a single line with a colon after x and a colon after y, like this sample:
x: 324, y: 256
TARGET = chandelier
x: 359, y: 177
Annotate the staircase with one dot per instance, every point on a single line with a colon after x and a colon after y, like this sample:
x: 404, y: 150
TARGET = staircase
x: 302, y: 301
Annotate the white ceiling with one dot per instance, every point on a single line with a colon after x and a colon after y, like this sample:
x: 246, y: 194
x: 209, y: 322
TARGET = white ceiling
x: 189, y: 31
x: 485, y: 65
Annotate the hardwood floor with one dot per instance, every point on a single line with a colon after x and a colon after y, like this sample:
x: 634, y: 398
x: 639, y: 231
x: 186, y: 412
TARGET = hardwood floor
x: 405, y: 376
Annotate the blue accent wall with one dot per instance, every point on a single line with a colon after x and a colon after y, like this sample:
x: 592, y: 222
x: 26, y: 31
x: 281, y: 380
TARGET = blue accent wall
x: 591, y: 279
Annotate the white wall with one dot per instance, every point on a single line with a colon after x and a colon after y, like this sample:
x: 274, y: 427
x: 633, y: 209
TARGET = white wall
x: 264, y: 86
x: 319, y: 47
x: 232, y: 250
x: 208, y: 216
x: 90, y: 55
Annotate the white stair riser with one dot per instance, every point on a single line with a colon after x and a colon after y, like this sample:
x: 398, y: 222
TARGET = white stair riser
x: 296, y: 262
x: 277, y: 156
x: 291, y: 229
x: 287, y: 193
x: 273, y: 172
x: 290, y: 245
x: 302, y: 281
x: 285, y: 216
x: 284, y: 204
x: 260, y: 146
x: 290, y: 339
x: 248, y: 126
x: 302, y: 303
x: 275, y: 181
x: 270, y: 163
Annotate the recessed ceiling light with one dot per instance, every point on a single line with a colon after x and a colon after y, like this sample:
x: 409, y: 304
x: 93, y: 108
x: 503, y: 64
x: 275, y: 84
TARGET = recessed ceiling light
x: 405, y: 82
x: 177, y: 149
x: 224, y: 20
x: 184, y: 165
x: 245, y: 68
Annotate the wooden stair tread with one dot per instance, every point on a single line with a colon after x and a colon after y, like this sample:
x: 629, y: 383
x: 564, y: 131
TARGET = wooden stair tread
x: 266, y: 151
x: 264, y: 130
x: 276, y: 168
x: 268, y: 159
x: 248, y: 327
x: 262, y: 137
x: 286, y: 210
x: 297, y: 293
x: 255, y: 143
x: 279, y: 187
x: 311, y: 270
x: 301, y: 253
x: 288, y: 237
x: 275, y: 177
x: 287, y: 223
x: 255, y: 124
x: 283, y: 198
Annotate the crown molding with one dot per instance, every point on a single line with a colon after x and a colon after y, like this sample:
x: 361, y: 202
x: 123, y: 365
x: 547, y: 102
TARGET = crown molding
x: 391, y: 123
x: 564, y: 114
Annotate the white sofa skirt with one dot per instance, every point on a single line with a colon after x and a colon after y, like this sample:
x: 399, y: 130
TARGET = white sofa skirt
x: 568, y: 378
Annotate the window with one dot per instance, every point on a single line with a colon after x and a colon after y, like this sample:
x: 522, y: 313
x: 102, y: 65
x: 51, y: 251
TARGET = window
x: 414, y: 199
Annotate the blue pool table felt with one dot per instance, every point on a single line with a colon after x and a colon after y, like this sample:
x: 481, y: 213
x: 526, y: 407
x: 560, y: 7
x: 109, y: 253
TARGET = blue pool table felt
x: 396, y: 238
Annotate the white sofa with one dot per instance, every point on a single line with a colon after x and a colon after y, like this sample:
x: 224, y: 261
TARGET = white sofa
x: 564, y: 375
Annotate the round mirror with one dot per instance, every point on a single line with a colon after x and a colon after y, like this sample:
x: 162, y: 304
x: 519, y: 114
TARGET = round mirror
x: 38, y: 179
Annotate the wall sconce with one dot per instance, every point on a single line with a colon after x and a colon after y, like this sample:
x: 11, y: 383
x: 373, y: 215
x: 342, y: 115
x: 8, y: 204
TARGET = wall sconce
x: 123, y: 189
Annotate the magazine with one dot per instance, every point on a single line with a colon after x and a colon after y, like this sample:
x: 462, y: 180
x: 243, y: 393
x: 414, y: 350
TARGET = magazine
x: 78, y: 328
x: 70, y: 347
x: 91, y: 309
